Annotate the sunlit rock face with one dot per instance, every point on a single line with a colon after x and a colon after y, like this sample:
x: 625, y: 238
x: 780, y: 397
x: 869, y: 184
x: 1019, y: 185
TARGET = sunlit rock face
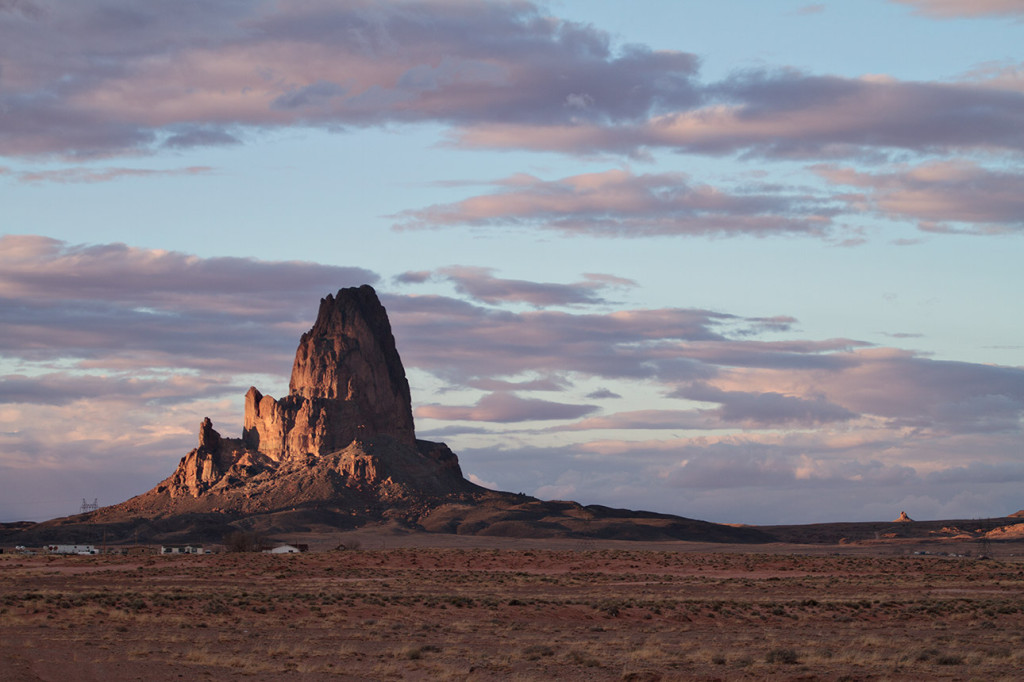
x: 347, y: 419
x: 347, y: 384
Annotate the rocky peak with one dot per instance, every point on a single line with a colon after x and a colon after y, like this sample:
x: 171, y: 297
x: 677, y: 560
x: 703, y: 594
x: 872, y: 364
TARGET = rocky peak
x: 347, y: 384
x: 209, y: 439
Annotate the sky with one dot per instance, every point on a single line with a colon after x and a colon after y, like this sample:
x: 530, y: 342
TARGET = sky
x: 743, y: 261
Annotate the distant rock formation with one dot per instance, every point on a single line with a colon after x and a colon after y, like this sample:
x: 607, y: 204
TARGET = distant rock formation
x: 340, y: 451
x: 903, y: 518
x: 347, y: 384
x: 345, y: 428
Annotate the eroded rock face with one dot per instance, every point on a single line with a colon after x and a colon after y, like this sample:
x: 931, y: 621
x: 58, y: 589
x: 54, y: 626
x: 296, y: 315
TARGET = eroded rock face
x: 346, y: 422
x: 347, y: 384
x: 214, y: 459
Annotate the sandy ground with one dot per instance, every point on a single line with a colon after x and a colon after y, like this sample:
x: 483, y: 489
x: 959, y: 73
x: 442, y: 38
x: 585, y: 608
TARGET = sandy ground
x: 521, y: 610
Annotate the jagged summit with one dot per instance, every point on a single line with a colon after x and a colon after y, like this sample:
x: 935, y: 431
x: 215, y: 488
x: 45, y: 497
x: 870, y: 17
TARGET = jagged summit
x: 344, y: 434
x: 347, y: 384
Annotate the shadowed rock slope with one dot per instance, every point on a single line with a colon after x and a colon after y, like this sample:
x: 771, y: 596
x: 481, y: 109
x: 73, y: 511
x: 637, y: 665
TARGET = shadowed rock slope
x: 340, y: 451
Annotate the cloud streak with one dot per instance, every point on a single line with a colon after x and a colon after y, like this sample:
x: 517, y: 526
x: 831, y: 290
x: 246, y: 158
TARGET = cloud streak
x: 949, y: 9
x: 787, y: 114
x: 948, y: 196
x: 621, y: 204
x: 91, y: 175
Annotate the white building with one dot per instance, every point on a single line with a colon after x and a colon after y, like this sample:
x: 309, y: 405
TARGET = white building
x: 283, y: 549
x: 181, y: 549
x: 72, y: 549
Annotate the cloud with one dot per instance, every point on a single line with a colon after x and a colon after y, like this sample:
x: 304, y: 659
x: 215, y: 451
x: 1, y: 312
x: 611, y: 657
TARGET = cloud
x: 792, y: 115
x: 940, y: 196
x: 114, y: 77
x: 101, y: 78
x: 645, y: 420
x: 480, y: 284
x: 815, y: 8
x: 898, y: 389
x: 90, y: 175
x: 768, y: 409
x: 116, y: 306
x: 621, y: 204
x: 505, y: 407
x: 603, y: 393
x: 550, y: 383
x: 950, y: 9
x: 413, y: 277
x: 25, y: 8
x: 63, y: 388
x: 460, y: 341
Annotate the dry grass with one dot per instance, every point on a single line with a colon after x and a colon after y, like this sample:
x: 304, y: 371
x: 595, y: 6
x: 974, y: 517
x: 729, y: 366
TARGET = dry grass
x: 523, y: 614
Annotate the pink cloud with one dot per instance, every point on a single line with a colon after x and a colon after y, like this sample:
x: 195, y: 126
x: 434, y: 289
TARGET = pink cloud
x: 788, y: 114
x: 89, y: 175
x: 646, y: 419
x: 949, y: 9
x: 505, y: 407
x: 124, y: 307
x: 619, y: 203
x: 939, y: 195
x: 95, y: 79
x: 119, y: 77
x: 480, y: 284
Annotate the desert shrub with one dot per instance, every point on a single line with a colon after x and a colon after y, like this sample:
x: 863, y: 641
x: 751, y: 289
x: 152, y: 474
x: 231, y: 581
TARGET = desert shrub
x: 787, y: 656
x: 718, y: 659
x: 215, y: 606
x: 536, y: 651
x: 416, y: 653
x: 580, y: 658
x: 949, y: 659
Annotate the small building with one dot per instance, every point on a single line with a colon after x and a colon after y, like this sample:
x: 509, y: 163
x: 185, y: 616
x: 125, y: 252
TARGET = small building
x: 181, y: 549
x: 283, y: 549
x: 72, y: 549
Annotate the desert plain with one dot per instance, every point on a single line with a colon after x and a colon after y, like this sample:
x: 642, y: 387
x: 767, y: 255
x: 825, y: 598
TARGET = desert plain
x: 436, y: 607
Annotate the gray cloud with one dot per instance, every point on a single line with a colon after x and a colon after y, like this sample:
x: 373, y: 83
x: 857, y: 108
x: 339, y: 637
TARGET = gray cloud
x: 62, y: 388
x: 112, y: 305
x: 791, y: 115
x: 480, y: 284
x: 767, y: 409
x: 943, y: 197
x: 89, y: 175
x: 100, y: 78
x: 620, y: 203
x: 603, y: 393
x: 506, y: 407
x: 118, y: 77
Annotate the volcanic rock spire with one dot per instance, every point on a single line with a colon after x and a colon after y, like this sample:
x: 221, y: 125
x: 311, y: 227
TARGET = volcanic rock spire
x: 347, y: 384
